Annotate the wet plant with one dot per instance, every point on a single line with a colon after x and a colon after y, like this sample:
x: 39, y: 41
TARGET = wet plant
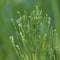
x: 35, y: 38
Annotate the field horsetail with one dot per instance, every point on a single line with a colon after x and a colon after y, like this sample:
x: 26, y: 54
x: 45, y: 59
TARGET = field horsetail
x: 35, y: 38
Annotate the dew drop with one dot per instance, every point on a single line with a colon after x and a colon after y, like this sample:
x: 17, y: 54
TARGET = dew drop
x: 17, y: 46
x: 20, y: 33
x: 54, y: 30
x: 27, y: 25
x: 19, y: 25
x: 18, y: 12
x: 11, y: 19
x: 11, y: 37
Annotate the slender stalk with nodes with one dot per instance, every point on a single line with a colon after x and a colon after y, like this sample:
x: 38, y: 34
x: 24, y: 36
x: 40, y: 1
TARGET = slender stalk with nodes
x: 35, y: 38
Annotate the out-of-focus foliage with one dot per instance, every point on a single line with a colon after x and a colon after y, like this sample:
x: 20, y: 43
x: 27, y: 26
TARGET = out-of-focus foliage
x: 8, y: 9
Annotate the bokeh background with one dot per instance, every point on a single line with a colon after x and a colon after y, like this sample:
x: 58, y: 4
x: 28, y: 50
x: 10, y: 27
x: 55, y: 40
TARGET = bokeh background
x: 8, y: 9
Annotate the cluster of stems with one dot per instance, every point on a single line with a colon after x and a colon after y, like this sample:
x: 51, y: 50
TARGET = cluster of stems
x: 35, y: 38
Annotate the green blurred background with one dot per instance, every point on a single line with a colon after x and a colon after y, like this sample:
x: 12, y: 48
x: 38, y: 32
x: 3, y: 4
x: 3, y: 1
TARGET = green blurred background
x: 8, y: 9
